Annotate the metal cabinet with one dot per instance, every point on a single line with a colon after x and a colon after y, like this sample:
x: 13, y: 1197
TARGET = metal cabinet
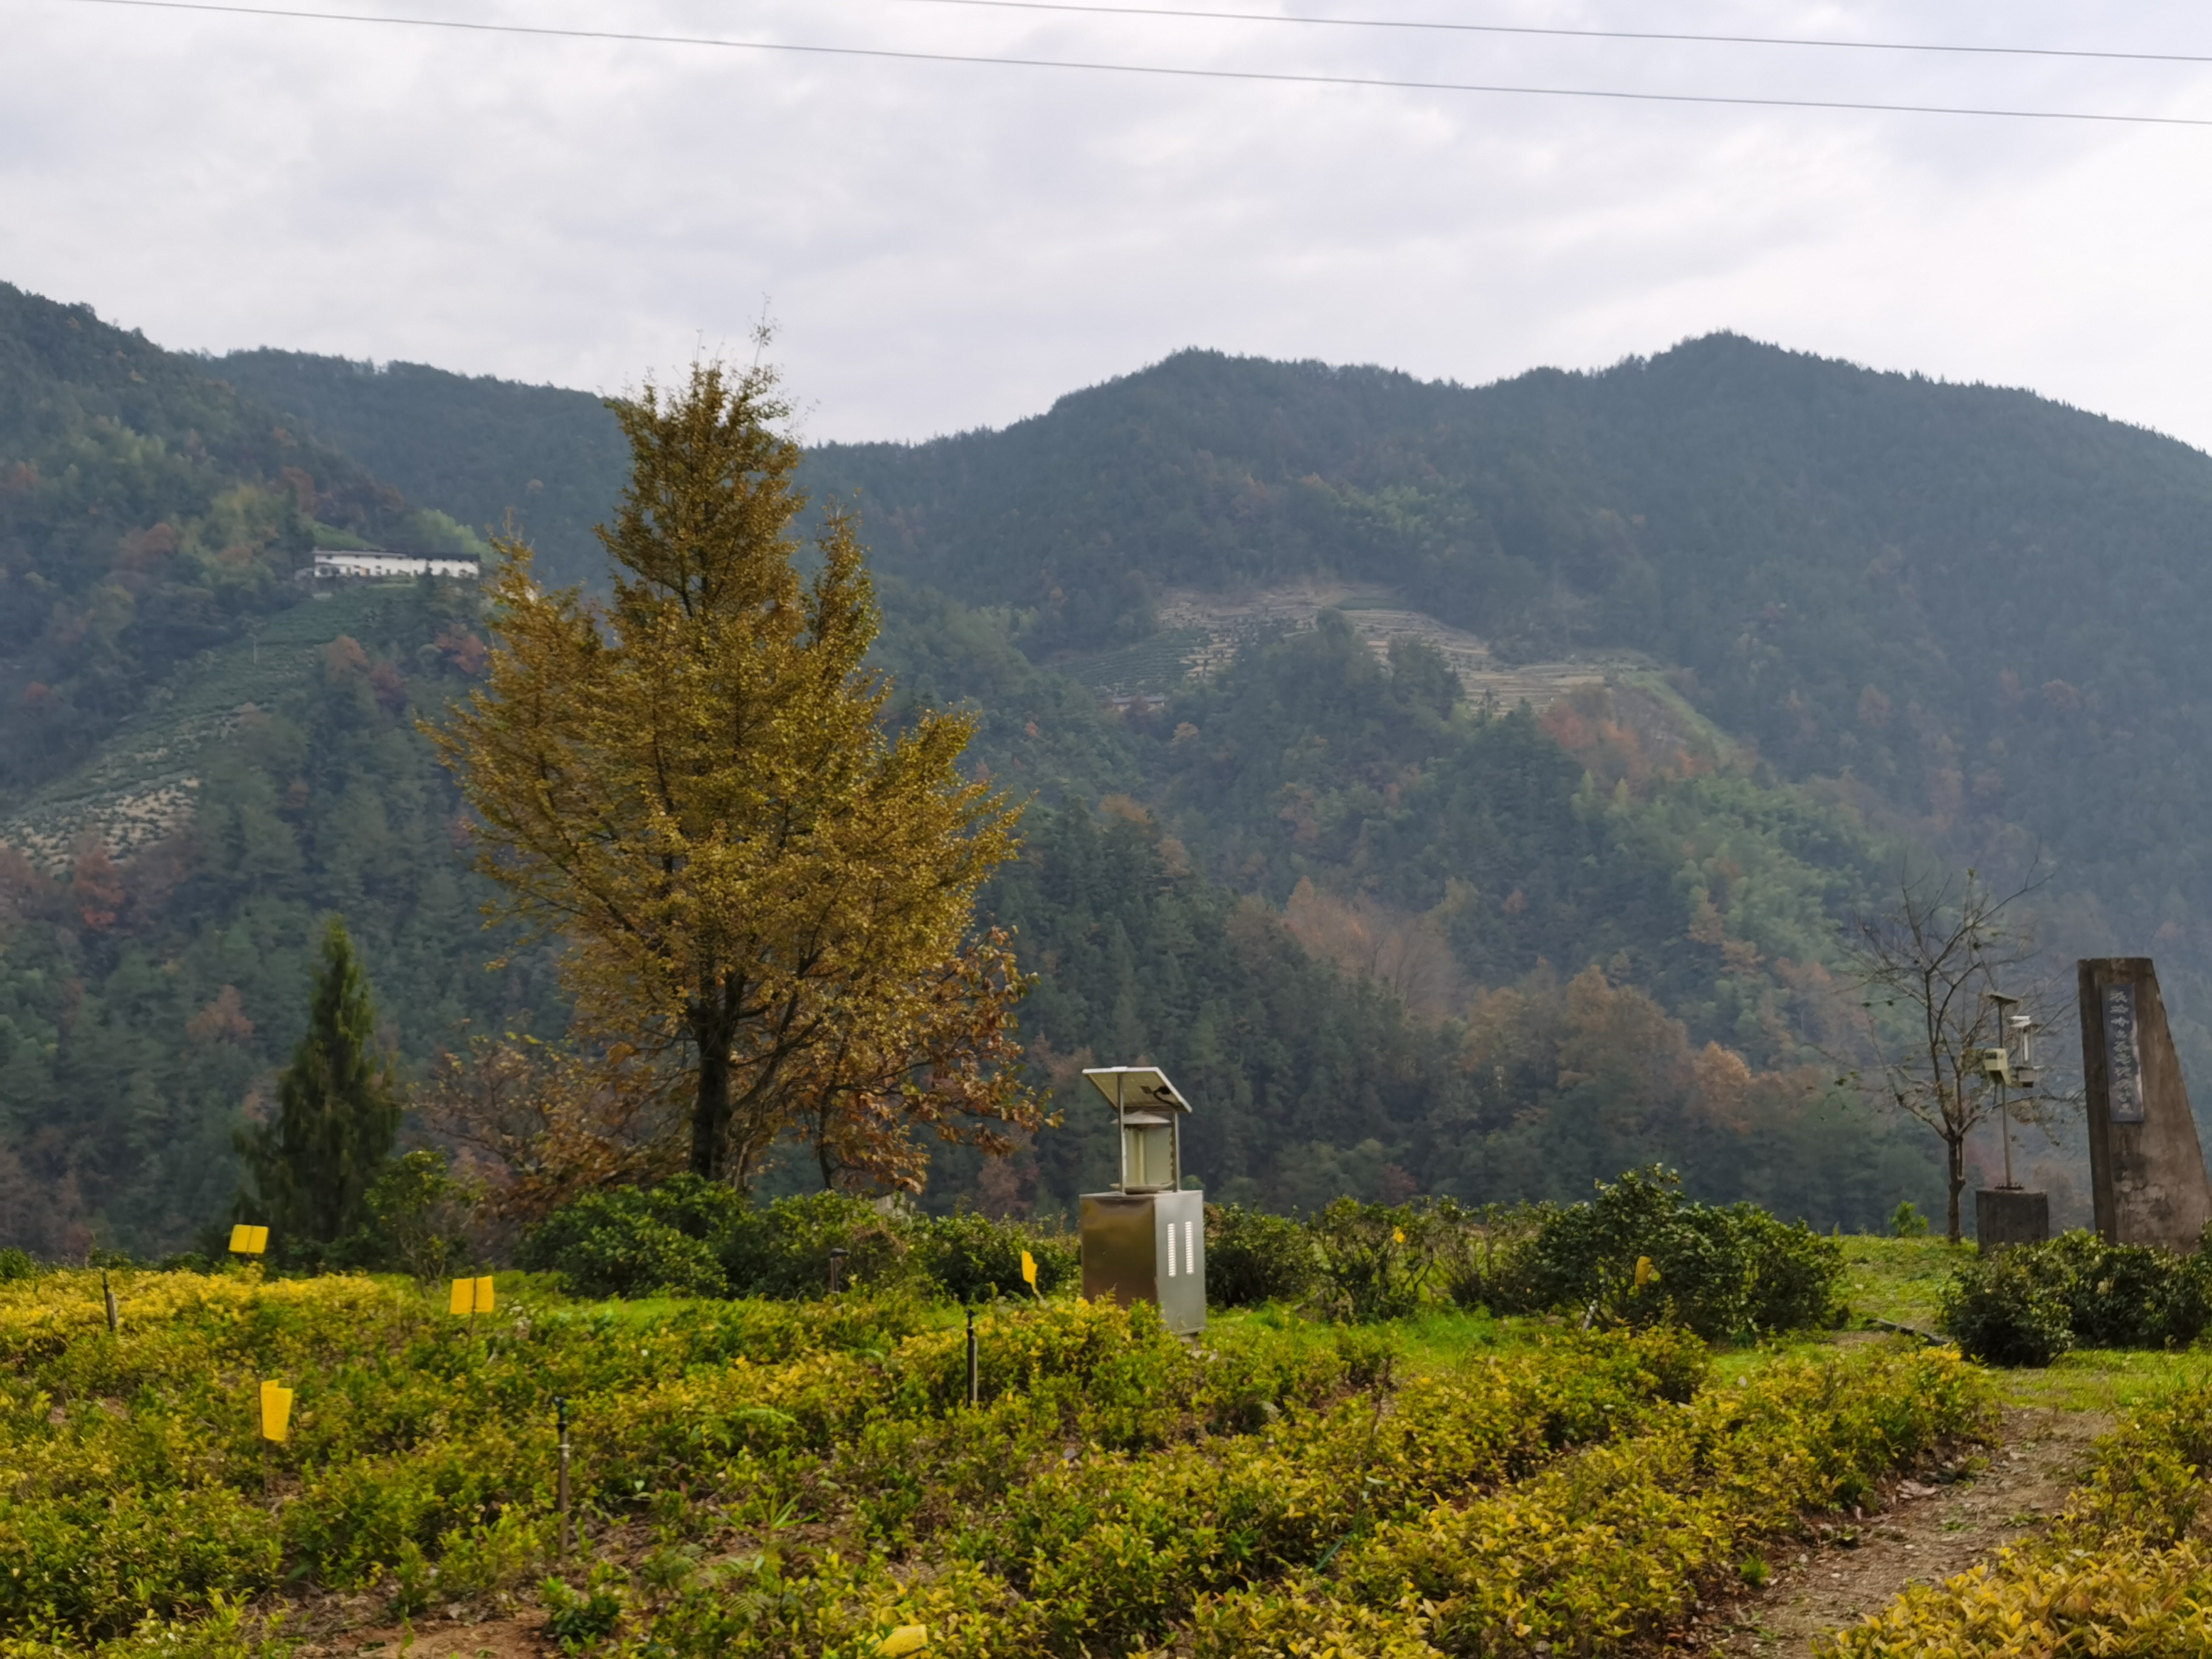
x: 1145, y: 1240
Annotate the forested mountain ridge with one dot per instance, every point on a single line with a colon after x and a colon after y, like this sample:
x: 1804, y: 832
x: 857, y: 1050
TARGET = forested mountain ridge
x: 1978, y: 604
x: 1398, y: 942
x: 1975, y: 611
x: 1921, y: 598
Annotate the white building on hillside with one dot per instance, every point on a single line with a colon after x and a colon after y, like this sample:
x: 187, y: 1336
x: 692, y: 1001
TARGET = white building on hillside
x: 329, y: 567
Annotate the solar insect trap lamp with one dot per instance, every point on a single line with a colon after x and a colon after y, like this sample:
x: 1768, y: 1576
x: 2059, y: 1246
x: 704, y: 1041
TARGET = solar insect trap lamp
x: 1146, y: 1241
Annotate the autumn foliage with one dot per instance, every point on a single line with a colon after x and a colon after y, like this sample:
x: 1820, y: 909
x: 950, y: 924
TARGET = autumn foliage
x: 760, y: 884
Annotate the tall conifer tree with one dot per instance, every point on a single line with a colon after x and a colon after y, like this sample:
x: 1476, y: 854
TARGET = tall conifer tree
x: 756, y: 878
x: 336, y: 1116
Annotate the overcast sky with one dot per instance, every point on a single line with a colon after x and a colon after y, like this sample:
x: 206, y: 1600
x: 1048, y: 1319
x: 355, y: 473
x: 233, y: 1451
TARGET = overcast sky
x: 947, y: 245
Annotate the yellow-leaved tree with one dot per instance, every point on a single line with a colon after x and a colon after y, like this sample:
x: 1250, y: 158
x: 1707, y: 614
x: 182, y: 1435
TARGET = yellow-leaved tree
x: 695, y: 786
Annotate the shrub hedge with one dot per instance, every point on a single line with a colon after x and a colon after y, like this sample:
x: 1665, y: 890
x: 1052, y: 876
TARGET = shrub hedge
x: 1639, y: 1254
x: 1607, y: 1550
x: 690, y: 1238
x: 2027, y: 1304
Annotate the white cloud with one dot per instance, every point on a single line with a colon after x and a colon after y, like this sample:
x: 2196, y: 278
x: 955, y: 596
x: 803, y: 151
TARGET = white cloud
x: 946, y: 246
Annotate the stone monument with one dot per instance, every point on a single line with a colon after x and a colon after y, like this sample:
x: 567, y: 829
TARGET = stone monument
x: 2146, y: 1168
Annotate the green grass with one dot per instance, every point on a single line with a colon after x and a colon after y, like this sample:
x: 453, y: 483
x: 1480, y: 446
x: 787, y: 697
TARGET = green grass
x: 2103, y: 1379
x: 1899, y: 1280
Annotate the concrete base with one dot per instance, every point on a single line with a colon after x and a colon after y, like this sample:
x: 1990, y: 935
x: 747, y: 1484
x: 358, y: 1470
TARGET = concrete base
x: 2010, y: 1215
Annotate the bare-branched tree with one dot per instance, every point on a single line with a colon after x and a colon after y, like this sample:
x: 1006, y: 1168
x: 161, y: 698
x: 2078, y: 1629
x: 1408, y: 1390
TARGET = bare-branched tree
x: 1926, y: 967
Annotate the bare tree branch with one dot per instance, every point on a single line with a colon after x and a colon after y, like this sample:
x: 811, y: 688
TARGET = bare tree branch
x: 1926, y: 968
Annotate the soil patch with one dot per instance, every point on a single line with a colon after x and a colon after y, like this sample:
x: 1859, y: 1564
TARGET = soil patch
x: 440, y: 1639
x: 1928, y: 1531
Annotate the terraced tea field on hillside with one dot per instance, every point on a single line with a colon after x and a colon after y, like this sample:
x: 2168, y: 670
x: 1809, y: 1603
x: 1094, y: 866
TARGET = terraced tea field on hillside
x: 141, y: 784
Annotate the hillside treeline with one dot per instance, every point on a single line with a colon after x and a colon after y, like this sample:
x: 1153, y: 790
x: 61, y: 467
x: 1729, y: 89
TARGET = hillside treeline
x: 1390, y: 943
x: 147, y: 1006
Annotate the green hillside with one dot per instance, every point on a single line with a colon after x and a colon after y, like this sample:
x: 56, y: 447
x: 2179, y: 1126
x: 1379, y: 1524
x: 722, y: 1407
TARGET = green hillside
x: 1975, y: 608
x: 479, y: 448
x: 147, y: 998
x: 148, y: 512
x: 1776, y: 620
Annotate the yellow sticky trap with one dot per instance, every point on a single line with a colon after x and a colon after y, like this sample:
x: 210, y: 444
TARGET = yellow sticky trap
x: 483, y: 1294
x: 1028, y: 1270
x: 249, y: 1241
x: 471, y: 1295
x: 1646, y: 1272
x: 907, y: 1638
x: 276, y: 1412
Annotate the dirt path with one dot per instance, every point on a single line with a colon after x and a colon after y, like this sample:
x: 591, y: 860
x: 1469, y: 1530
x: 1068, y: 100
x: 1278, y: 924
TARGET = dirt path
x: 438, y: 1638
x: 1929, y: 1532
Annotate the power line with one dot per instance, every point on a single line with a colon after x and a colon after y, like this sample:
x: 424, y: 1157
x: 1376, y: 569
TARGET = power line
x: 1573, y: 34
x: 1274, y: 76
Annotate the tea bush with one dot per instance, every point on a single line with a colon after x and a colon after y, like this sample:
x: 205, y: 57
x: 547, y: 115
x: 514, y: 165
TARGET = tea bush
x: 2125, y: 1573
x: 637, y: 1241
x: 691, y: 1237
x: 1723, y: 1272
x: 1375, y: 1259
x: 1607, y: 1550
x: 2009, y: 1309
x: 421, y: 1464
x: 2027, y: 1304
x: 1253, y: 1256
x: 782, y: 1249
x: 972, y: 1258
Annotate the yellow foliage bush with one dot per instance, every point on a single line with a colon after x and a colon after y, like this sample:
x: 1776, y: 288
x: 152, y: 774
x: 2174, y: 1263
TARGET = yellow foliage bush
x: 2121, y: 1576
x: 1610, y: 1546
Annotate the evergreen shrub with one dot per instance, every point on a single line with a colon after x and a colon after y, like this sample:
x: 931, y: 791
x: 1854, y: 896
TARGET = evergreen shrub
x: 1254, y: 1256
x: 2009, y: 1310
x: 973, y: 1258
x: 1721, y: 1271
x: 2031, y: 1303
x: 637, y: 1241
x: 782, y: 1249
x: 1374, y: 1260
x: 692, y: 1237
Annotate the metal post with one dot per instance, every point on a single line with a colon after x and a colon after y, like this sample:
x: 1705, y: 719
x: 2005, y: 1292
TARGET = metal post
x: 561, y: 1497
x: 1121, y: 1130
x: 114, y: 1313
x: 975, y: 1389
x: 837, y: 1265
x: 2004, y: 1119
